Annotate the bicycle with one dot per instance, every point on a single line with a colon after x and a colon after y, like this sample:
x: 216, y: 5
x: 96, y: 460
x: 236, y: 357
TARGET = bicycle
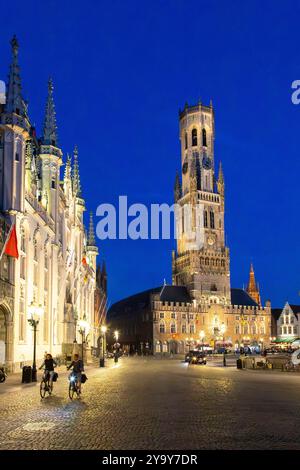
x: 45, y: 386
x: 73, y: 387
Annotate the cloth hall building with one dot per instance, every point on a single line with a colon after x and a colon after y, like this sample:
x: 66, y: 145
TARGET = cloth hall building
x: 200, y: 305
x: 54, y: 267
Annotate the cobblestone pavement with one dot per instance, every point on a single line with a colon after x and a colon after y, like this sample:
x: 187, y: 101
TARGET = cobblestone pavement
x: 158, y: 404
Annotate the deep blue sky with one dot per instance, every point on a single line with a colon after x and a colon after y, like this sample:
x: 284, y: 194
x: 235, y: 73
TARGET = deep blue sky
x: 121, y: 71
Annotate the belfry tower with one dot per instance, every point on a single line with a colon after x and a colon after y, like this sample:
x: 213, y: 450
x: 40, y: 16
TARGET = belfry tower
x: 201, y: 261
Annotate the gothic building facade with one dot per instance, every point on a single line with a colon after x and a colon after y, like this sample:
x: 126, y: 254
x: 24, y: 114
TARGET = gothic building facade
x: 200, y: 305
x: 56, y: 264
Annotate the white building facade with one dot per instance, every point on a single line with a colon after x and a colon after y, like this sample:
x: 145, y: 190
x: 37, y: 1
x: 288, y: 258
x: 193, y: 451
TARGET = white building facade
x: 288, y: 323
x: 56, y: 266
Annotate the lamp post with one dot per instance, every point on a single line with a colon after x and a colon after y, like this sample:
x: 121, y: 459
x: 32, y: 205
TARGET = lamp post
x: 102, y: 359
x: 223, y: 329
x: 35, y: 312
x: 116, y: 345
x: 261, y: 340
x: 83, y: 330
x: 75, y: 326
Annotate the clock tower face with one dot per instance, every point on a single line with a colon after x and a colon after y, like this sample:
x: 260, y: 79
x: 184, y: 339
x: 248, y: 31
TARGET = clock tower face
x: 206, y: 162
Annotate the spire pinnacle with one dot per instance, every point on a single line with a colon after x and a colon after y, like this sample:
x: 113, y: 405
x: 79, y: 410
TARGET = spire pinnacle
x: 252, y: 287
x: 76, y: 176
x: 67, y: 174
x: 177, y: 188
x: 220, y: 182
x: 91, y: 241
x: 14, y: 100
x: 50, y: 128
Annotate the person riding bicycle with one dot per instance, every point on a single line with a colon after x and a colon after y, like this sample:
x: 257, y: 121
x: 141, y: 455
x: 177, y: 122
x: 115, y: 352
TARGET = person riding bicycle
x: 78, y: 368
x: 49, y: 365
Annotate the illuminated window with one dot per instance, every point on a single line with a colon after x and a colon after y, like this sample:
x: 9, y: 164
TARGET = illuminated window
x: 173, y: 328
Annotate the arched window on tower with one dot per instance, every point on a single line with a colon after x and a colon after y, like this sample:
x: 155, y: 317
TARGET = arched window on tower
x: 186, y: 140
x: 204, y: 142
x: 205, y: 218
x: 212, y: 219
x: 194, y: 138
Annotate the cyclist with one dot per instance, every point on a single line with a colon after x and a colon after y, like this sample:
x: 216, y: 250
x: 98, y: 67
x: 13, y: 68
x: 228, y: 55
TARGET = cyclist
x: 49, y: 365
x: 78, y: 368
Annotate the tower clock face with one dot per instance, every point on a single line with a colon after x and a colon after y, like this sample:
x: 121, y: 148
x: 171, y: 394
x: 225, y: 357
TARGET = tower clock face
x: 185, y: 166
x: 211, y: 240
x: 206, y: 162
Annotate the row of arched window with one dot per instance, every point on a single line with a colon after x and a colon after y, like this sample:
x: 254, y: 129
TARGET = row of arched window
x: 173, y: 328
x: 194, y: 137
x: 212, y: 262
x: 246, y: 330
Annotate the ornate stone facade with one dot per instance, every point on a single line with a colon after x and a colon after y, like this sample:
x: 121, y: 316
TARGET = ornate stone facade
x: 56, y: 267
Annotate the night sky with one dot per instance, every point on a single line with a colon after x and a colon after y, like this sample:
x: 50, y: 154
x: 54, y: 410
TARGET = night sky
x: 122, y: 70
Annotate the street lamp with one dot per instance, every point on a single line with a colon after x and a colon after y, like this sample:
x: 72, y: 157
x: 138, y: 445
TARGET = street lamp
x: 75, y: 316
x: 223, y: 329
x: 102, y: 359
x: 261, y: 340
x: 116, y: 345
x: 84, y: 328
x: 35, y: 313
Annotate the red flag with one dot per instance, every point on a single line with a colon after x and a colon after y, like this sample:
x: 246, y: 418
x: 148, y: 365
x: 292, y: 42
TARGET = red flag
x: 84, y: 261
x: 11, y: 247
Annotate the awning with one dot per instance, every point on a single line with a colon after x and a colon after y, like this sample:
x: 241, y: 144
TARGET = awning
x: 285, y: 340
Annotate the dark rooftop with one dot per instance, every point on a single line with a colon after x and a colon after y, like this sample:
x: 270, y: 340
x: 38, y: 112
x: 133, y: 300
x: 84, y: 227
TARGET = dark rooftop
x: 241, y: 297
x: 169, y: 293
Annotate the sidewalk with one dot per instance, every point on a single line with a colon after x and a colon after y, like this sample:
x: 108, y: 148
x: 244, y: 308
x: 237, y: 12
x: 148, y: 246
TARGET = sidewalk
x: 13, y: 382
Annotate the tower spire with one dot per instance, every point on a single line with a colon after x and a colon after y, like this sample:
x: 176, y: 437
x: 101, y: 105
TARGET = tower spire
x: 76, y: 176
x: 67, y: 174
x: 14, y: 100
x: 252, y: 287
x: 221, y: 182
x: 91, y: 241
x: 50, y: 128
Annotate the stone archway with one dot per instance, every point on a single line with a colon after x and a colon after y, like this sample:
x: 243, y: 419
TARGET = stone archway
x: 6, y: 337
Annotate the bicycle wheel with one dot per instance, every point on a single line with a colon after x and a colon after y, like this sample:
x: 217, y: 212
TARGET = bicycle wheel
x: 43, y: 389
x: 71, y: 391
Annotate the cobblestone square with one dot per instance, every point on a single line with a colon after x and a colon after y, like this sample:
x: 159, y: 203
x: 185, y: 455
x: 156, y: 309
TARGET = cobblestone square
x: 147, y: 403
